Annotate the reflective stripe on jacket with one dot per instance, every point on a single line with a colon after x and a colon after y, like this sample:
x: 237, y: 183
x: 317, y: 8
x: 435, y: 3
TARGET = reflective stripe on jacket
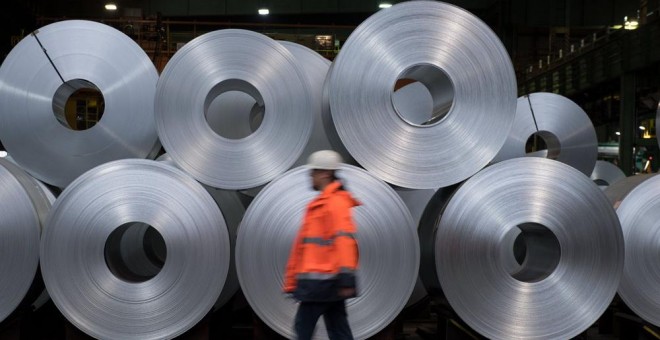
x: 324, y: 255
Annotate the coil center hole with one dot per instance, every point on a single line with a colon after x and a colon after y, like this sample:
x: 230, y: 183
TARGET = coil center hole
x: 423, y: 95
x: 543, y: 144
x: 135, y: 252
x: 538, y: 252
x: 78, y: 104
x: 234, y: 109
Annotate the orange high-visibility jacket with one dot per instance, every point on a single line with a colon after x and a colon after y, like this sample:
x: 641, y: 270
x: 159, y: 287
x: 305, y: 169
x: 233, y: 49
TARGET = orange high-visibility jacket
x: 324, y: 255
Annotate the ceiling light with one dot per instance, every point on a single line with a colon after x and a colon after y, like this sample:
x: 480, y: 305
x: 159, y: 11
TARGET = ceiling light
x: 3, y: 154
x: 618, y: 133
x: 642, y: 127
x: 384, y: 5
x: 264, y: 11
x: 111, y: 7
x: 630, y: 24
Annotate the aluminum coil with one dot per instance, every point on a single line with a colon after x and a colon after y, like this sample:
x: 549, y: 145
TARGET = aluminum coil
x: 605, y: 174
x: 564, y: 126
x: 20, y: 225
x: 32, y: 95
x: 568, y: 277
x: 107, y: 304
x: 42, y: 198
x: 387, y: 240
x: 233, y: 60
x: 433, y: 43
x: 43, y: 207
x: 640, y: 221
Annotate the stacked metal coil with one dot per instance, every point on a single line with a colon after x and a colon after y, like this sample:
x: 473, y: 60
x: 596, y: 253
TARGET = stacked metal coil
x: 220, y: 62
x: 138, y: 249
x: 558, y: 212
x: 85, y: 55
x: 432, y: 43
x: 639, y: 217
x: 606, y: 174
x: 568, y: 133
x: 387, y: 241
x: 22, y: 214
x: 87, y: 280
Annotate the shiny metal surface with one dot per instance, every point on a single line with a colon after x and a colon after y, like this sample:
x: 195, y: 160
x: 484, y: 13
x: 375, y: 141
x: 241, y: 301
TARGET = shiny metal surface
x: 640, y: 284
x: 434, y: 43
x: 43, y: 297
x: 387, y: 240
x: 43, y: 199
x: 564, y: 126
x: 30, y: 89
x: 20, y: 227
x: 605, y: 174
x: 574, y: 257
x: 233, y: 60
x: 110, y: 306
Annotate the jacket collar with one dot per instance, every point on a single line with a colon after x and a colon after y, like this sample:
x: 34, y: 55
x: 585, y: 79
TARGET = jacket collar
x: 330, y: 188
x: 327, y: 192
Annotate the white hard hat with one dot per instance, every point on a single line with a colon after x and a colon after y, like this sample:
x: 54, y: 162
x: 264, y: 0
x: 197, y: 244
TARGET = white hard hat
x: 324, y: 160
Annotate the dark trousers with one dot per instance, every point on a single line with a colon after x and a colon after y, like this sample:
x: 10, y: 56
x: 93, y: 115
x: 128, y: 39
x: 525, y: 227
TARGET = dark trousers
x: 334, y: 315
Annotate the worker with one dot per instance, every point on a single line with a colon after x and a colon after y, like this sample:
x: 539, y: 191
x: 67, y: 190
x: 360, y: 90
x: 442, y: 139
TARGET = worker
x: 321, y: 269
